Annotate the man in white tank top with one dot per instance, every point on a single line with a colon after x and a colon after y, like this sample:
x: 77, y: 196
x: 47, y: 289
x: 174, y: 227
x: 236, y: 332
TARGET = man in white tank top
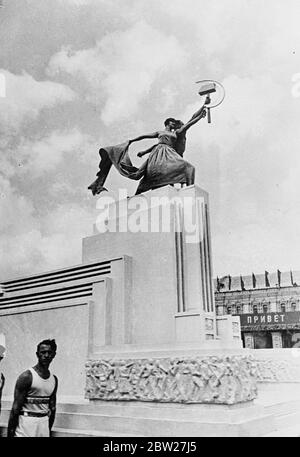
x: 33, y: 410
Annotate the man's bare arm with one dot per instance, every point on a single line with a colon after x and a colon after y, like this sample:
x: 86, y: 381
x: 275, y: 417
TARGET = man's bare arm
x: 2, y: 382
x: 22, y: 387
x: 52, y: 405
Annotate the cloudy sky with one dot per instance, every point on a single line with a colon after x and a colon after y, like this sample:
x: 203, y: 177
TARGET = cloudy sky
x: 84, y: 73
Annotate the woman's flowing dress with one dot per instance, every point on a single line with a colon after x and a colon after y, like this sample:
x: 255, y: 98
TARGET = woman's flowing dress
x: 164, y: 166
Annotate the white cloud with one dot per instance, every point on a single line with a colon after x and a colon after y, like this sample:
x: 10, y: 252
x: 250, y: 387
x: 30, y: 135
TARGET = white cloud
x: 26, y: 97
x: 258, y: 245
x: 167, y: 99
x: 35, y: 235
x: 32, y: 251
x: 224, y: 26
x: 81, y: 2
x: 19, y: 243
x: 41, y: 156
x: 13, y: 209
x: 34, y: 241
x: 122, y: 67
x: 247, y: 111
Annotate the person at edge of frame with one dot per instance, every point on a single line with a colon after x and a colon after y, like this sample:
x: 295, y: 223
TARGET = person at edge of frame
x: 2, y: 378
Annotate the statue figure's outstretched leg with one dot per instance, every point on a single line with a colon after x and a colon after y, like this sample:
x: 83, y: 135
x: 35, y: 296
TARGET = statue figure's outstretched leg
x: 104, y: 166
x: 96, y: 187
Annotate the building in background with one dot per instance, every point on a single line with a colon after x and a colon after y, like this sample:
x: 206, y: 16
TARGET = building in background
x: 268, y: 305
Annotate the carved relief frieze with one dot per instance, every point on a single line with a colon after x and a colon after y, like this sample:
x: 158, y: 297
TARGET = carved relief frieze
x: 280, y: 370
x: 222, y: 380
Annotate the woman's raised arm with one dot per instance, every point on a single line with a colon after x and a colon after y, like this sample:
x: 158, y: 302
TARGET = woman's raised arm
x: 144, y: 137
x: 197, y: 113
x: 196, y: 117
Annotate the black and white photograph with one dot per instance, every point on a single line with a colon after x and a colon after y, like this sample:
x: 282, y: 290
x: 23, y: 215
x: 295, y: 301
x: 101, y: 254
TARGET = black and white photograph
x: 149, y: 222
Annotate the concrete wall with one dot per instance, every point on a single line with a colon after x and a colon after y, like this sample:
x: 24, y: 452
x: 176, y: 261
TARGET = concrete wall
x: 154, y: 281
x: 68, y: 326
x: 50, y: 305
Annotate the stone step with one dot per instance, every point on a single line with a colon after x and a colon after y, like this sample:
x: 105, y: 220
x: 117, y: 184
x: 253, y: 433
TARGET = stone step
x: 275, y: 415
x: 279, y: 407
x: 165, y: 410
x: 62, y: 432
x: 146, y: 426
x: 142, y: 419
x: 287, y: 432
x: 161, y: 419
x: 73, y: 433
x: 207, y: 413
x: 287, y: 420
x: 161, y: 429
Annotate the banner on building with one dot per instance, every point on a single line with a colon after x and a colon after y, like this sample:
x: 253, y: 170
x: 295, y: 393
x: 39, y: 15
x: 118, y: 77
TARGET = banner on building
x: 272, y: 320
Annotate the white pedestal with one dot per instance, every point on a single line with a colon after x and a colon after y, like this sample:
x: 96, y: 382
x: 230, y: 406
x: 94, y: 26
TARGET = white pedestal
x: 154, y: 335
x: 167, y: 284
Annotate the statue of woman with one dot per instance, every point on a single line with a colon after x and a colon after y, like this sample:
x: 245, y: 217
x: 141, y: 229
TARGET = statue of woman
x: 165, y: 164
